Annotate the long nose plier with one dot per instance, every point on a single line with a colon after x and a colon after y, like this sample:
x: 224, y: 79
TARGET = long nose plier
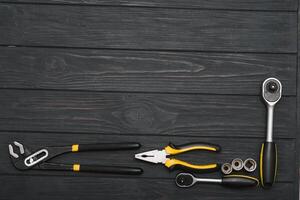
x: 25, y: 159
x: 161, y: 156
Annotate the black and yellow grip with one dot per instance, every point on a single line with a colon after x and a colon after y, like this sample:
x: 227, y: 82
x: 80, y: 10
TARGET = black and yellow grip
x: 105, y: 146
x: 107, y: 169
x: 173, y: 164
x: 268, y: 164
x: 75, y: 147
x: 239, y: 181
x: 90, y: 168
x: 172, y: 149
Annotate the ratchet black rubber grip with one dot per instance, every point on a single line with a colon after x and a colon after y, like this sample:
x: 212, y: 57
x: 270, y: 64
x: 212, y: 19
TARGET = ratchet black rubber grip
x: 110, y: 169
x: 239, y: 181
x: 105, y: 146
x: 268, y: 164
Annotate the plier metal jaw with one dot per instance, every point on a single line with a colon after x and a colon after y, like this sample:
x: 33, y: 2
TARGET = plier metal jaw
x: 24, y: 159
x: 161, y: 156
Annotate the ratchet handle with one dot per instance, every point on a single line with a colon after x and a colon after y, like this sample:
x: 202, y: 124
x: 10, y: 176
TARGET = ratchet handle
x: 172, y: 149
x: 239, y: 181
x: 174, y: 164
x: 107, y: 169
x: 105, y: 146
x: 268, y: 164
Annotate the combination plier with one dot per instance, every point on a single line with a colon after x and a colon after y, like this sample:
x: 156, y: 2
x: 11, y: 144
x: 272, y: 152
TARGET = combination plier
x: 161, y: 156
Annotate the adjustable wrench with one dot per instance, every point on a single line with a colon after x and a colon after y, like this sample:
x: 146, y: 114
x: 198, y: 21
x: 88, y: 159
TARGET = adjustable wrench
x: 271, y: 92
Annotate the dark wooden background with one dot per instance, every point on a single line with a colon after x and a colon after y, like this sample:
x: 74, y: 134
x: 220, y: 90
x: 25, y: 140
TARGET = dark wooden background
x: 152, y: 71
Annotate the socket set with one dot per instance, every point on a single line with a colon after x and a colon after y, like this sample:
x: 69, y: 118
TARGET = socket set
x: 237, y: 164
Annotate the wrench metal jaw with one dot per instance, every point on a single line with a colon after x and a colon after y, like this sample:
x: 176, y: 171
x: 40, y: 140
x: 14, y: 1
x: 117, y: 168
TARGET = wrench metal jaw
x: 18, y: 157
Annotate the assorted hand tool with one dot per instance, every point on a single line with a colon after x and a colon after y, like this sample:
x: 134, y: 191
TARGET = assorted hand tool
x: 26, y: 159
x: 271, y: 92
x: 161, y: 156
x: 226, y: 168
x: 186, y: 180
x: 250, y: 165
x: 39, y: 159
x: 237, y: 164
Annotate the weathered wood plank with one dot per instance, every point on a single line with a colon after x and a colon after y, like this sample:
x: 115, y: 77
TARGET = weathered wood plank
x: 73, y: 188
x: 148, y: 28
x: 142, y: 71
x: 297, y: 172
x: 290, y: 5
x: 231, y: 148
x: 164, y: 114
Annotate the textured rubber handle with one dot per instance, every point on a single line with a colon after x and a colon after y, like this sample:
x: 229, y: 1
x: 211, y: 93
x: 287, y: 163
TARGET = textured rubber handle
x: 109, y: 169
x: 172, y: 149
x: 173, y: 164
x: 239, y: 181
x: 268, y: 164
x: 105, y: 146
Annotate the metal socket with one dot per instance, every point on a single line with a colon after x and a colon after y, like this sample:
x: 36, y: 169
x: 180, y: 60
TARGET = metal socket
x: 237, y: 164
x: 250, y: 165
x: 226, y: 168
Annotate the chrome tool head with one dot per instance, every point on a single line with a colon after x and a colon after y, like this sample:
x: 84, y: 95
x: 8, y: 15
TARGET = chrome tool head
x: 185, y: 180
x: 18, y: 153
x: 237, y: 164
x: 271, y: 91
x: 226, y: 168
x: 154, y: 156
x: 250, y: 165
x: 23, y: 159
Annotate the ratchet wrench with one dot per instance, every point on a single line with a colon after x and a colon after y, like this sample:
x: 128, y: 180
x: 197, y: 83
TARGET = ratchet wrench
x: 271, y: 92
x: 186, y: 180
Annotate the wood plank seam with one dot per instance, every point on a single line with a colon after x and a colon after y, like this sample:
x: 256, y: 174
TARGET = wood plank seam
x: 258, y: 9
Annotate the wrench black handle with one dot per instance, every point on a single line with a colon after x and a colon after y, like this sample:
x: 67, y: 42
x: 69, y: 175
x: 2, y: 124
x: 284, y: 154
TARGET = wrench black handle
x: 105, y: 146
x: 90, y: 168
x: 109, y: 169
x: 268, y: 164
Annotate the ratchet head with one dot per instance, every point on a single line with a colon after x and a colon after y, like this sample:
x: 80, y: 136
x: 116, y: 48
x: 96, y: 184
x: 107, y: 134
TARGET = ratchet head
x: 18, y: 153
x: 185, y: 180
x: 271, y: 91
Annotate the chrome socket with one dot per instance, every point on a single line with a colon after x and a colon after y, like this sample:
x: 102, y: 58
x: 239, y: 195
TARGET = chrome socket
x: 250, y: 165
x: 226, y: 168
x: 237, y: 164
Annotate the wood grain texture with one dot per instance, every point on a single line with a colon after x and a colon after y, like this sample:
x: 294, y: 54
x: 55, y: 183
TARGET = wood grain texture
x: 233, y: 148
x: 148, y: 28
x: 297, y: 173
x: 163, y: 114
x: 80, y: 94
x: 290, y: 5
x: 144, y: 71
x: 95, y: 188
